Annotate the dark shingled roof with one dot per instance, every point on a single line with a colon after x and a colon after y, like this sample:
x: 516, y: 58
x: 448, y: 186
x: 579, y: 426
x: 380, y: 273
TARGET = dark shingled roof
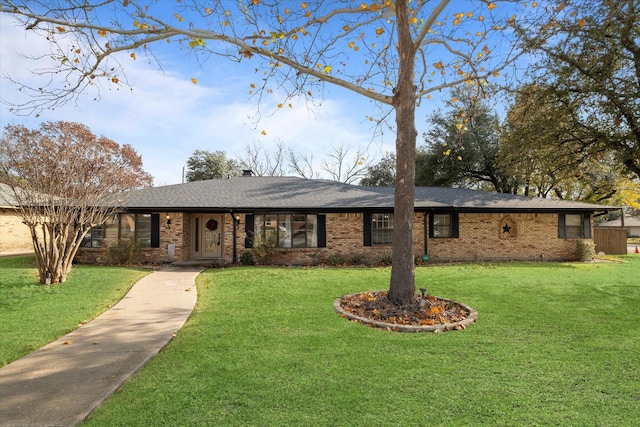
x: 7, y: 198
x: 465, y: 199
x: 290, y: 193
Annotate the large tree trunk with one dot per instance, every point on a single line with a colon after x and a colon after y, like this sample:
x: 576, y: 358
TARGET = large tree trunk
x: 402, y: 287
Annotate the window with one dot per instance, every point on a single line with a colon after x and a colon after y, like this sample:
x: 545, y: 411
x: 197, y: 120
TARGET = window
x: 286, y: 230
x: 443, y: 225
x: 137, y: 227
x: 143, y: 230
x: 377, y: 229
x: 127, y: 226
x: 381, y: 229
x: 574, y: 226
x: 111, y: 229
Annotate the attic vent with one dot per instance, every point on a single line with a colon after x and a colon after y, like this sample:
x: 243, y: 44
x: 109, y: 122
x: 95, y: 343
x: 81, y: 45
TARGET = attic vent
x: 247, y: 172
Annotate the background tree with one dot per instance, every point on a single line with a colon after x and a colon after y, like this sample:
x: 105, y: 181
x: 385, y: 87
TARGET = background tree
x: 543, y: 147
x: 340, y: 162
x: 381, y: 174
x: 394, y: 53
x: 61, y: 175
x: 265, y: 163
x: 588, y: 54
x: 302, y: 165
x: 204, y: 164
x: 461, y: 148
x: 344, y: 165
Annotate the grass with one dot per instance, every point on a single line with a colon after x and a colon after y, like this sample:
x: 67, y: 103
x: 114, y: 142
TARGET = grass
x: 32, y: 315
x: 555, y: 344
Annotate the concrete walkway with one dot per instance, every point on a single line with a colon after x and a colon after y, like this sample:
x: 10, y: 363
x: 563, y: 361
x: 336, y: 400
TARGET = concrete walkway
x: 63, y: 382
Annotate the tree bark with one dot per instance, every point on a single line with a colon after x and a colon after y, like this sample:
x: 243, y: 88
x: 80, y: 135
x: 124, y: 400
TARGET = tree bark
x: 402, y: 286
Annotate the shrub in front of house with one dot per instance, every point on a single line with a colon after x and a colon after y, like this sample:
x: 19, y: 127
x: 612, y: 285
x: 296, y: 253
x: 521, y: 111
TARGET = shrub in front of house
x: 265, y: 247
x: 335, y: 259
x: 247, y: 258
x: 122, y: 252
x: 586, y: 250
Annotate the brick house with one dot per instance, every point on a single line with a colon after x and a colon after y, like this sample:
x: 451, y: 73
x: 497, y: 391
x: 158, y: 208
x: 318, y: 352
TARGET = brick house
x: 15, y: 237
x: 310, y: 220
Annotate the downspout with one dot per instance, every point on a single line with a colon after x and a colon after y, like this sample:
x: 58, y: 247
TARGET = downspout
x: 425, y: 256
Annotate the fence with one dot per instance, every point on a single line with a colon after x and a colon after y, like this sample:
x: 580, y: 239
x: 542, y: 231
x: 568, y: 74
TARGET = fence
x: 610, y: 240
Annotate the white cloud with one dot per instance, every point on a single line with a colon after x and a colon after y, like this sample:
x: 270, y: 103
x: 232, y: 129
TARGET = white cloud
x: 166, y: 117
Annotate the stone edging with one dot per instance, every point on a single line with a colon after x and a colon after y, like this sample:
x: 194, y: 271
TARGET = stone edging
x: 462, y: 324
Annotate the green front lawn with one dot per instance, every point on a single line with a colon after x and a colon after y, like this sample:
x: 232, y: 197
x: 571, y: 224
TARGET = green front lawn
x: 32, y: 315
x: 555, y: 344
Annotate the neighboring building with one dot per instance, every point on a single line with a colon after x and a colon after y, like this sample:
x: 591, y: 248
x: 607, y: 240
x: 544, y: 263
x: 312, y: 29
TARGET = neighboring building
x: 309, y: 220
x: 631, y: 224
x: 15, y: 237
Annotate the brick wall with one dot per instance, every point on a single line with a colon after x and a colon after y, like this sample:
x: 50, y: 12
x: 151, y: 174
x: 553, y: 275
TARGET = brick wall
x: 14, y: 235
x: 345, y: 239
x: 531, y: 237
x: 481, y: 238
x: 177, y: 233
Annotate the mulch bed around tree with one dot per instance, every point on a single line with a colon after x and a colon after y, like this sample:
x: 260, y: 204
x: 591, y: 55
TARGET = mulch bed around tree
x: 424, y: 311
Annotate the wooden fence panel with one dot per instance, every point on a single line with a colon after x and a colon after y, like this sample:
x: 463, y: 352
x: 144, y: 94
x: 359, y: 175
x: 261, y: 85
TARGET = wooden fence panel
x: 610, y: 240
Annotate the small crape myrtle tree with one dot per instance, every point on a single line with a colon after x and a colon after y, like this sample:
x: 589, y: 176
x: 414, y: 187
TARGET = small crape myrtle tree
x: 61, y: 177
x: 395, y: 53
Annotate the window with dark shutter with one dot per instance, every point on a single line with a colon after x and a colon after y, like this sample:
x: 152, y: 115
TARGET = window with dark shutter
x: 574, y: 226
x: 444, y: 225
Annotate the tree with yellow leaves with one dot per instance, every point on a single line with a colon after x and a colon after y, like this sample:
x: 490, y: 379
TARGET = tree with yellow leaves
x: 395, y: 53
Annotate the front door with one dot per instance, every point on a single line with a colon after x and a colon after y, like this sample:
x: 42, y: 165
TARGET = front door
x: 207, y: 236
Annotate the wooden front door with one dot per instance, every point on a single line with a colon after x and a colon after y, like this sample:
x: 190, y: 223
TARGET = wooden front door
x: 207, y: 236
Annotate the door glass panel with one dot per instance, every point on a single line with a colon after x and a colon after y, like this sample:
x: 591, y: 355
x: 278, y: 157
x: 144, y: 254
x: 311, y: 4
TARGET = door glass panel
x: 196, y: 235
x: 211, y: 234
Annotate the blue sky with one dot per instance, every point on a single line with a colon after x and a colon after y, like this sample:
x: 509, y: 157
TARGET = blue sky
x: 165, y: 117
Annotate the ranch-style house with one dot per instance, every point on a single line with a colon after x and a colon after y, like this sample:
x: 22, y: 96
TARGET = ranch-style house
x: 307, y: 220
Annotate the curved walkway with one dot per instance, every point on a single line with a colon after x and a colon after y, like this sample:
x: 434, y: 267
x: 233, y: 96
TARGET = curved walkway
x: 63, y: 382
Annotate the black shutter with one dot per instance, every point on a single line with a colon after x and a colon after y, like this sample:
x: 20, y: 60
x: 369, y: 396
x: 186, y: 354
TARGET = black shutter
x: 586, y: 222
x: 431, y: 215
x: 248, y: 230
x: 367, y: 228
x: 322, y: 231
x: 562, y: 232
x: 455, y: 225
x: 155, y: 230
